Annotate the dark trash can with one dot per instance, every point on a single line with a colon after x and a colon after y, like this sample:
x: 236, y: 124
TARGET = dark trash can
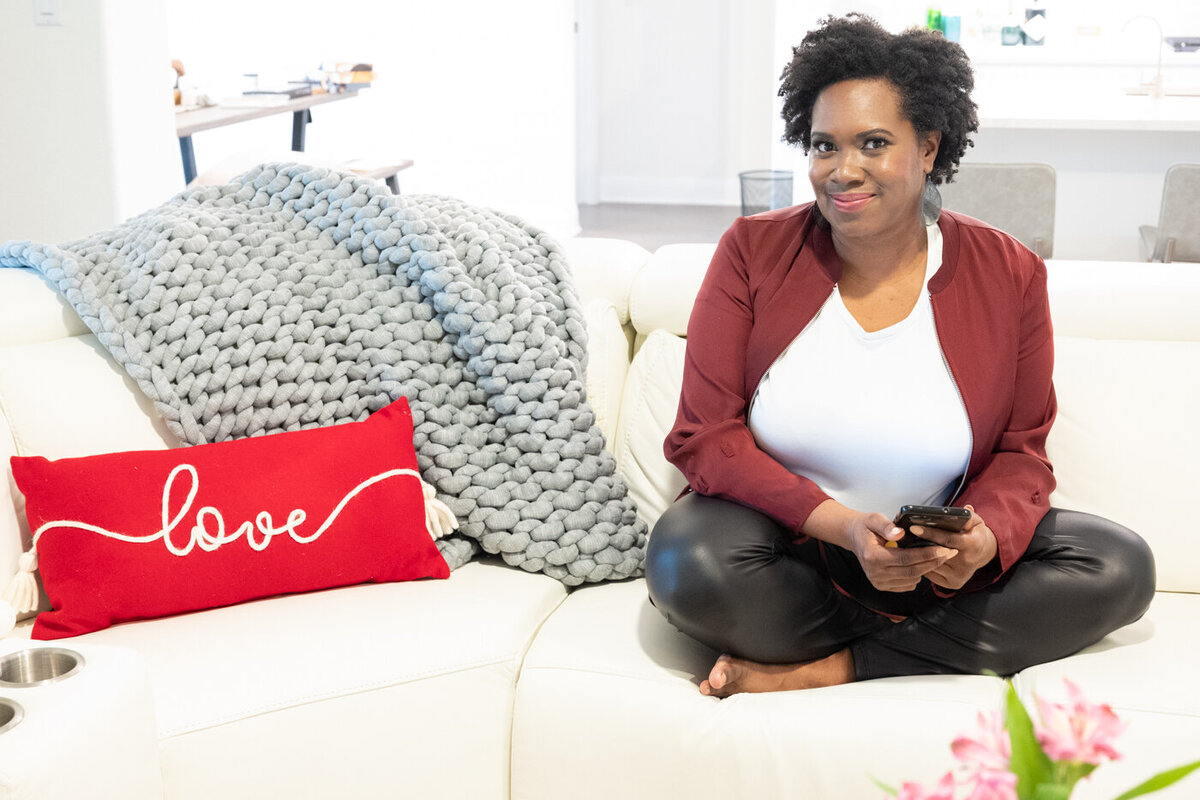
x: 765, y: 189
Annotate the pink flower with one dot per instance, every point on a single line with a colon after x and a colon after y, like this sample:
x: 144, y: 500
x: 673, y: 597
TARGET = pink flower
x: 993, y: 785
x: 987, y: 756
x: 990, y: 750
x: 914, y: 791
x: 1079, y: 731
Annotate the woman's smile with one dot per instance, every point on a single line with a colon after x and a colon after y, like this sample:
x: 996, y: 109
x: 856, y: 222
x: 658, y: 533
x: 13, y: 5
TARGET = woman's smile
x: 849, y: 202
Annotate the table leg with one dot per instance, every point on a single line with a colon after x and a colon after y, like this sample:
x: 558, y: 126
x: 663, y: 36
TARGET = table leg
x: 392, y: 183
x: 300, y: 120
x: 189, y: 158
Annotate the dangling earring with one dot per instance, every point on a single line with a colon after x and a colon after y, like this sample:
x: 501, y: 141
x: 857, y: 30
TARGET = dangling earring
x: 931, y: 204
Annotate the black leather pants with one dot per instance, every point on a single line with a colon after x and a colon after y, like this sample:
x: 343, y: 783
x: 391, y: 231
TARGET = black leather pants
x: 732, y: 578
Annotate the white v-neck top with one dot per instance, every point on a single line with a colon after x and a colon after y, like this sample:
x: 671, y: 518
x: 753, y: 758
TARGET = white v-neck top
x: 873, y: 418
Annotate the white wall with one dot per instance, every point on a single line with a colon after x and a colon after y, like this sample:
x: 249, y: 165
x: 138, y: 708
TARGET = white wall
x: 87, y: 137
x: 684, y: 90
x: 480, y: 94
x: 676, y: 98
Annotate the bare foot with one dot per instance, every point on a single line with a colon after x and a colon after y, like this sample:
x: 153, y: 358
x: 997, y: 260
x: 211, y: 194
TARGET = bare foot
x: 732, y: 675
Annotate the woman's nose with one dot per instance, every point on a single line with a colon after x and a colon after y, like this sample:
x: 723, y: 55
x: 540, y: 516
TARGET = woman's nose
x: 847, y: 169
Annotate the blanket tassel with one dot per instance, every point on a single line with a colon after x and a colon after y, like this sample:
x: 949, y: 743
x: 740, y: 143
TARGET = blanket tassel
x: 439, y: 519
x: 22, y: 592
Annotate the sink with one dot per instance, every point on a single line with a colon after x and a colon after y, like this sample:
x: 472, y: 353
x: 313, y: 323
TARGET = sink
x: 1183, y: 44
x: 1168, y: 91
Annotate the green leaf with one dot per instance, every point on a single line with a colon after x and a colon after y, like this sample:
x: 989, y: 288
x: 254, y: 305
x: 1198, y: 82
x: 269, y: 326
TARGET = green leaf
x: 1029, y: 762
x: 885, y: 787
x: 1161, y: 781
x: 1069, y: 773
x: 1052, y: 791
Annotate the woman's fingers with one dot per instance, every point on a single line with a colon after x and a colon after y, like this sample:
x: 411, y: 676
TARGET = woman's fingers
x: 900, y: 570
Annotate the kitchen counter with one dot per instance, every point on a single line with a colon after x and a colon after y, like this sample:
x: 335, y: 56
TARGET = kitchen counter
x: 1091, y: 108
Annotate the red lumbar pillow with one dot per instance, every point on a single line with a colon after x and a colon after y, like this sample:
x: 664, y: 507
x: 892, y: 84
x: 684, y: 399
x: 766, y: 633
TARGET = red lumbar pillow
x: 138, y: 535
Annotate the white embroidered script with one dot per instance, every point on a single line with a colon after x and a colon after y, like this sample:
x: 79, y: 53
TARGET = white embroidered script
x: 210, y: 532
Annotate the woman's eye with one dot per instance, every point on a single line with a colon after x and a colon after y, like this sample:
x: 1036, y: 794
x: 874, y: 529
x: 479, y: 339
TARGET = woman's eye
x: 875, y: 144
x: 823, y: 147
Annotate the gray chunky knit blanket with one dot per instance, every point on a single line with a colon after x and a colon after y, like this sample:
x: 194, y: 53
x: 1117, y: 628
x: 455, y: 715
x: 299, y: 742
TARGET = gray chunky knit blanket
x: 297, y: 296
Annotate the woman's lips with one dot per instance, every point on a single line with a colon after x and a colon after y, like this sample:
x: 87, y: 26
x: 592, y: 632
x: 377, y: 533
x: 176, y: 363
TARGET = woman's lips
x: 850, y: 202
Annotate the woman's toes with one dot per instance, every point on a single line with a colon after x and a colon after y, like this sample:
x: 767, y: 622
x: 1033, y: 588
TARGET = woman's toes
x: 732, y: 675
x: 720, y: 681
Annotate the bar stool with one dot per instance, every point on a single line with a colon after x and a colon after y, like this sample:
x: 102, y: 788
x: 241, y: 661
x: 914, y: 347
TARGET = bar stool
x: 1016, y: 198
x: 1177, y: 235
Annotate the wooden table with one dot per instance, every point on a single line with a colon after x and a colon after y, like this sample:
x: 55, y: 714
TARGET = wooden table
x: 202, y: 119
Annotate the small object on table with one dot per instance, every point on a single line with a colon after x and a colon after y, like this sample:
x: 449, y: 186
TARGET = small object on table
x: 352, y: 77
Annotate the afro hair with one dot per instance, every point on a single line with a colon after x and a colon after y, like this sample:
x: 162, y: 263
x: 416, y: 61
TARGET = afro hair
x: 932, y: 75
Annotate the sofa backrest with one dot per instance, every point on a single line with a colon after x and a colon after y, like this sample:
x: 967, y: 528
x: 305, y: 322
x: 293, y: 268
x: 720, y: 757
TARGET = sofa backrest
x: 660, y: 302
x: 604, y: 271
x: 1127, y: 373
x: 61, y: 395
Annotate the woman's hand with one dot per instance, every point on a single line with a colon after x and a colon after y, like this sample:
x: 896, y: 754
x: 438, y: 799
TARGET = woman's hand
x: 976, y: 546
x: 893, y: 569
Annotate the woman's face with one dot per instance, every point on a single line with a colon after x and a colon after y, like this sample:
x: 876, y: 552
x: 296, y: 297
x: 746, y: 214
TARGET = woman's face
x: 867, y: 163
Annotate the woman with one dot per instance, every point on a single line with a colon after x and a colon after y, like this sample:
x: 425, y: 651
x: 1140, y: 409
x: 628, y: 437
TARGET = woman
x: 862, y: 352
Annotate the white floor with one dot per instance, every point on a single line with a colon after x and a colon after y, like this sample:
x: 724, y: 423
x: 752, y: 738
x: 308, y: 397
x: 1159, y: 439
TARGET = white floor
x: 652, y: 226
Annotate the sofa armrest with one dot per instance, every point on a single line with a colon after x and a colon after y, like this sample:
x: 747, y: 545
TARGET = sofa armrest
x: 604, y: 269
x: 32, y: 310
x: 608, y: 363
x: 64, y: 398
x: 665, y: 288
x: 1124, y: 300
x: 648, y: 406
x: 90, y: 734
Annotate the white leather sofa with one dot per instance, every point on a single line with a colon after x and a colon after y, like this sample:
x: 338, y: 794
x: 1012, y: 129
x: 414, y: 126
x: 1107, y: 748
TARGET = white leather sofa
x: 498, y: 683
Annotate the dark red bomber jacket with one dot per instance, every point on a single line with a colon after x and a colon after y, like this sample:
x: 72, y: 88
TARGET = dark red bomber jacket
x: 770, y: 275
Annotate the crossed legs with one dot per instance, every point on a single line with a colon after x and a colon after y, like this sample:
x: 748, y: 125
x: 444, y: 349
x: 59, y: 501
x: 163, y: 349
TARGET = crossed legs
x: 731, y: 578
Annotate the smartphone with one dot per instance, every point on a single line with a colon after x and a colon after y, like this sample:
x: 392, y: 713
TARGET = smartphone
x: 948, y: 518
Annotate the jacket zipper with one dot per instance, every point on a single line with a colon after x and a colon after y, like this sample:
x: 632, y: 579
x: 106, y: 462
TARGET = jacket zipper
x: 962, y: 481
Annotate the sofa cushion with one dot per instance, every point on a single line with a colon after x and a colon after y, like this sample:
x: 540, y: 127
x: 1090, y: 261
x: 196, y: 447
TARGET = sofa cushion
x: 13, y: 536
x: 608, y: 362
x: 1125, y: 442
x: 648, y: 409
x: 91, y: 734
x: 32, y: 310
x: 631, y: 681
x: 138, y: 535
x: 662, y: 296
x: 341, y: 692
x: 604, y: 269
x: 1144, y: 671
x: 94, y: 406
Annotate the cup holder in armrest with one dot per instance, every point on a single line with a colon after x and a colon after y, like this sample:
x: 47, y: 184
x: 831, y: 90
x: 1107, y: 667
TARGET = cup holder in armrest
x: 37, y: 665
x: 10, y: 714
